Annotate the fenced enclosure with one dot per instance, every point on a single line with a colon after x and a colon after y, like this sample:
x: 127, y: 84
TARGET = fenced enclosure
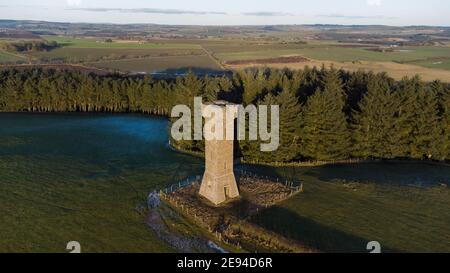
x: 295, y: 186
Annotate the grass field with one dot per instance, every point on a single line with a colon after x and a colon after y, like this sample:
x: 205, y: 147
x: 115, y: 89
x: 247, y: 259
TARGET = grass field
x: 237, y: 47
x: 66, y: 186
x: 341, y: 54
x: 94, y: 54
x: 438, y: 63
x: 69, y: 177
x: 94, y: 43
x: 335, y: 214
x: 161, y: 64
x: 430, y: 62
x: 45, y: 216
x: 6, y: 57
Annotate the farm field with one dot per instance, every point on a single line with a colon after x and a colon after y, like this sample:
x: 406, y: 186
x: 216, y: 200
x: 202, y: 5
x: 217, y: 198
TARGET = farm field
x: 6, y: 57
x: 71, y: 54
x: 431, y: 60
x: 173, y: 64
x: 395, y: 70
x: 96, y: 43
x: 237, y: 47
x: 342, y: 54
x: 438, y: 63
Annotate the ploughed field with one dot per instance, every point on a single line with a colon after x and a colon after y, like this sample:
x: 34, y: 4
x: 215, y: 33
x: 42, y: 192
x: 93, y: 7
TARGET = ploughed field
x: 75, y: 177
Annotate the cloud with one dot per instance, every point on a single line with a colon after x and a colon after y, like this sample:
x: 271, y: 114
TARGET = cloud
x: 267, y: 13
x: 374, y: 2
x: 74, y: 3
x: 176, y: 11
x: 343, y: 16
x: 150, y: 10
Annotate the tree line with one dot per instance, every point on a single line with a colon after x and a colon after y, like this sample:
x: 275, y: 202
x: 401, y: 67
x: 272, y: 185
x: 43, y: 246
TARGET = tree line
x: 28, y: 46
x: 325, y: 114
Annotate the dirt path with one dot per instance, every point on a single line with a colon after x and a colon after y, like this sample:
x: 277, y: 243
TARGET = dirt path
x: 164, y: 222
x: 211, y: 56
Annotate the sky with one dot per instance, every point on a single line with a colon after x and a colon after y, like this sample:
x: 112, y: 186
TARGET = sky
x: 232, y: 12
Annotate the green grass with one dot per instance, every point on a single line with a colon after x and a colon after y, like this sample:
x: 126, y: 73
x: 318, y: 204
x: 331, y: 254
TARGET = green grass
x: 334, y: 216
x: 439, y: 63
x: 43, y: 216
x: 68, y: 177
x: 96, y: 54
x: 93, y: 43
x: 93, y: 50
x: 67, y: 186
x: 9, y: 58
x: 159, y: 64
x: 244, y: 47
x: 333, y: 53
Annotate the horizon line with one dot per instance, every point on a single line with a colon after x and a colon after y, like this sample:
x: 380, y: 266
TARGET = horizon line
x: 223, y: 25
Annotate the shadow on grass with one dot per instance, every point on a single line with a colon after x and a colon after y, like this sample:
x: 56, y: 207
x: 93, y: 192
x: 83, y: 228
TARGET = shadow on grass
x: 310, y: 233
x: 383, y: 172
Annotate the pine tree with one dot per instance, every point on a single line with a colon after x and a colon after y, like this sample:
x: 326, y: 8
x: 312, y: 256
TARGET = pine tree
x: 253, y: 86
x: 407, y: 119
x: 444, y: 135
x: 290, y: 112
x: 415, y: 131
x: 403, y: 131
x: 426, y: 126
x: 325, y: 133
x: 375, y: 121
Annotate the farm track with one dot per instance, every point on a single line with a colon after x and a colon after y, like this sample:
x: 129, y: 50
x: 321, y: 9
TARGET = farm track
x: 214, y: 59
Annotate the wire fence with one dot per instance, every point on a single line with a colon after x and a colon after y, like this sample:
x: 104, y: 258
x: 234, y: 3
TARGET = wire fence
x: 293, y: 185
x: 182, y: 184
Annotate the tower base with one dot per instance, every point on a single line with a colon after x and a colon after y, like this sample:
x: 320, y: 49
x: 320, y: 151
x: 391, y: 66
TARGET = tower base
x: 219, y: 189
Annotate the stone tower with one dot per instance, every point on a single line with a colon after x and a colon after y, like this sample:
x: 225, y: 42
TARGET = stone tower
x: 219, y: 183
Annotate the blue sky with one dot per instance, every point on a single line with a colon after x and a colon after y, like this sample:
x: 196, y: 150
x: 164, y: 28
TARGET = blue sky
x: 232, y: 12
